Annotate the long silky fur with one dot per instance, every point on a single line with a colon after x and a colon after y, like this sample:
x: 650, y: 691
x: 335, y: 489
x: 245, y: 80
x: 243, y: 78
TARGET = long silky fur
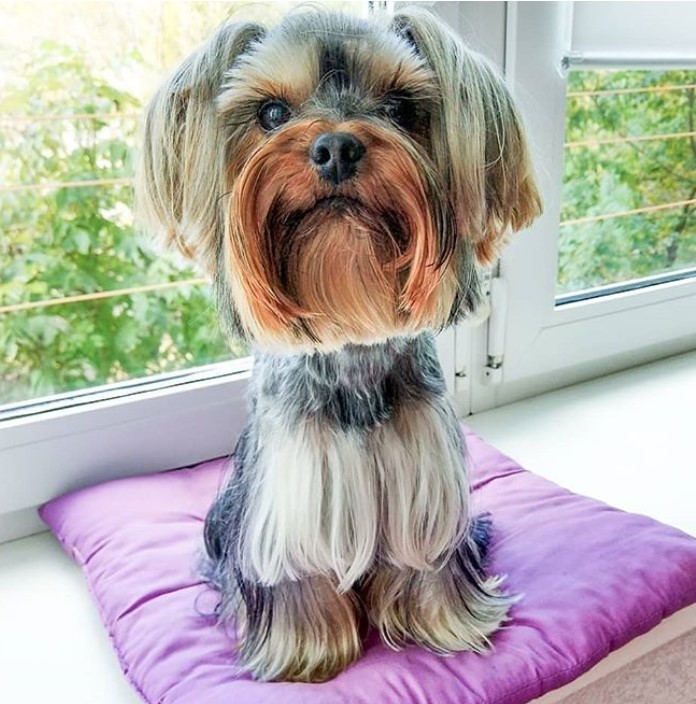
x: 362, y: 490
x: 348, y: 503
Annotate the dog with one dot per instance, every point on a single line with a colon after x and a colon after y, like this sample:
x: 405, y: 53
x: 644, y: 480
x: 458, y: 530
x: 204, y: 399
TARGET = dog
x: 341, y: 180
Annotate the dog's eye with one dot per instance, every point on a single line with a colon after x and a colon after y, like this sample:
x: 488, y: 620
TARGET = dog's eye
x: 273, y: 114
x: 401, y: 111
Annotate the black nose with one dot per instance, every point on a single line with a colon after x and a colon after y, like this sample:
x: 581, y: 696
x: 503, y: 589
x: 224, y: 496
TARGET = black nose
x: 335, y: 155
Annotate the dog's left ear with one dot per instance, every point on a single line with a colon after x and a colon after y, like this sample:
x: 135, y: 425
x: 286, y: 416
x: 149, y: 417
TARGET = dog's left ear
x: 180, y: 178
x: 477, y: 136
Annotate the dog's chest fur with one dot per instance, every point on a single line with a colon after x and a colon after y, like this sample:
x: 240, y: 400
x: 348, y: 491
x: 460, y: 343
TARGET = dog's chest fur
x: 358, y: 458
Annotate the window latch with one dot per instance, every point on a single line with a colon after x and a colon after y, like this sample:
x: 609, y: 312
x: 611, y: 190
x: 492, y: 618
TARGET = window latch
x: 497, y: 317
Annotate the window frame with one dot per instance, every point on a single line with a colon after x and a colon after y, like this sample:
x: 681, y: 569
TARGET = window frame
x: 192, y: 416
x: 547, y: 345
x: 46, y: 454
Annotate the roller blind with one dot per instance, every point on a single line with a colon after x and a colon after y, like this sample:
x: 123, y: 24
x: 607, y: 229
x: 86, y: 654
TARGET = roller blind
x: 633, y: 33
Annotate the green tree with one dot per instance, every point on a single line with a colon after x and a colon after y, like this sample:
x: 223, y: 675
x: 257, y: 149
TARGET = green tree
x: 67, y: 241
x: 601, y: 177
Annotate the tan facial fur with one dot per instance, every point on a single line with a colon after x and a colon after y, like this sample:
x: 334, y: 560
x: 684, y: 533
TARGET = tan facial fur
x: 341, y: 272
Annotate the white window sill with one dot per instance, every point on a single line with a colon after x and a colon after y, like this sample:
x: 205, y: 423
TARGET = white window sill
x: 53, y: 647
x: 626, y: 439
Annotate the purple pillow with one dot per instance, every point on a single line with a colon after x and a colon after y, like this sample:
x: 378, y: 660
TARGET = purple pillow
x: 592, y: 576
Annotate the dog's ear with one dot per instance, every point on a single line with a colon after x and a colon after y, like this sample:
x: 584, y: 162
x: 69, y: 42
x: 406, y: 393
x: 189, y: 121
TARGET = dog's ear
x: 477, y: 137
x: 181, y: 172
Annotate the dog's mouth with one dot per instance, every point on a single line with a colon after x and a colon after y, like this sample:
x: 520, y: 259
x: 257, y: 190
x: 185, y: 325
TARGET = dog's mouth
x: 327, y: 206
x: 323, y: 208
x: 384, y: 227
x: 334, y: 227
x: 336, y: 201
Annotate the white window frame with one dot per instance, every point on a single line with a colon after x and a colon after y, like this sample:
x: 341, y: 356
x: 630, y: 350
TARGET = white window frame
x: 195, y: 415
x: 548, y: 346
x: 106, y: 435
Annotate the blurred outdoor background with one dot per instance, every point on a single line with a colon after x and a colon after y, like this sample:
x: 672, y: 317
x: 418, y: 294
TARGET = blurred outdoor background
x: 86, y: 301
x: 629, y: 184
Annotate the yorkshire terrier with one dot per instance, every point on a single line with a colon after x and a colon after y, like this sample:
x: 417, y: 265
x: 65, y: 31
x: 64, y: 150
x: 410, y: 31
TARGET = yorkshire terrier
x: 340, y: 179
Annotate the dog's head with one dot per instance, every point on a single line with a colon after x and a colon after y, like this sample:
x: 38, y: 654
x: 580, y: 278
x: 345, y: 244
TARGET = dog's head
x: 339, y: 178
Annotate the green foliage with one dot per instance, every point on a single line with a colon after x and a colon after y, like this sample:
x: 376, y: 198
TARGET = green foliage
x: 78, y: 241
x: 612, y: 178
x: 58, y: 242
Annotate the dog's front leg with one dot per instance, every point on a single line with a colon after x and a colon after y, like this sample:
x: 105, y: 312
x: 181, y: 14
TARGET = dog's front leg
x: 303, y: 631
x: 286, y: 539
x: 447, y: 609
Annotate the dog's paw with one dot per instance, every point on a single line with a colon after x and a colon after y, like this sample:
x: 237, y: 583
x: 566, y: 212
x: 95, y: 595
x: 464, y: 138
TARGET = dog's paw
x: 310, y: 633
x: 436, y: 610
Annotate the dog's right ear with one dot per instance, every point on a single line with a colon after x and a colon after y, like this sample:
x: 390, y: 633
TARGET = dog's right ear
x: 478, y: 139
x: 180, y: 177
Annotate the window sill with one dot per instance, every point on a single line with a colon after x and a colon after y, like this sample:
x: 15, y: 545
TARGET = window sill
x: 610, y: 438
x: 625, y: 439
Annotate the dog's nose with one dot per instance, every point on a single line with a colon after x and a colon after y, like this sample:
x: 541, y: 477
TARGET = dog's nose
x: 335, y: 155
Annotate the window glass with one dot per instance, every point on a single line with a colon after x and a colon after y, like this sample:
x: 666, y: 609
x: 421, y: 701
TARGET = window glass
x: 629, y: 188
x: 84, y: 301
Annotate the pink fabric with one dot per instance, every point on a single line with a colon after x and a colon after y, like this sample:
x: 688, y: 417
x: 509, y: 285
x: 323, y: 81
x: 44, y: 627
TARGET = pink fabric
x: 593, y: 578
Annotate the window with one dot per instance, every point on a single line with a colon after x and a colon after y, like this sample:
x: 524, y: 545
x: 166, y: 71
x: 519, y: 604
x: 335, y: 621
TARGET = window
x: 604, y: 279
x: 111, y: 360
x: 167, y: 410
x: 84, y: 300
x: 628, y: 215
